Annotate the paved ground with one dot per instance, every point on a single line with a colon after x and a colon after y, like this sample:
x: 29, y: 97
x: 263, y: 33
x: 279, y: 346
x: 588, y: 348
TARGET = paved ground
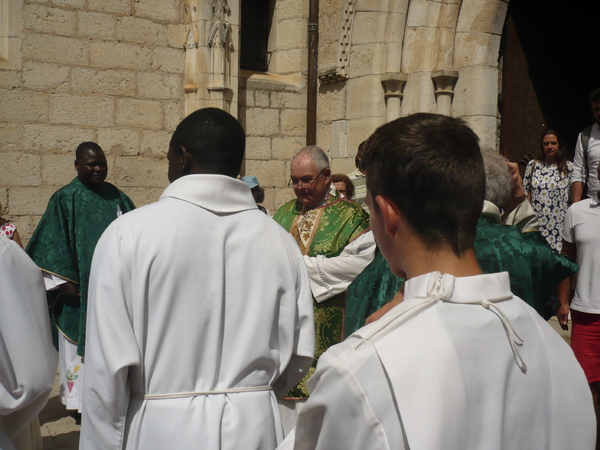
x: 58, y: 427
x: 59, y: 430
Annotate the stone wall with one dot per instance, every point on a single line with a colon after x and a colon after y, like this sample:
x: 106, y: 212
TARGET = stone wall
x: 109, y: 71
x: 272, y: 105
x: 114, y: 71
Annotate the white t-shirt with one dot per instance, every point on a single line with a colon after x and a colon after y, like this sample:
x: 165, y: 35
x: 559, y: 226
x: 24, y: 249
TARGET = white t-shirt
x: 582, y: 227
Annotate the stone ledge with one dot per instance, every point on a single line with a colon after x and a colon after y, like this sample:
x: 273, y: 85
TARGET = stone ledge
x: 272, y: 81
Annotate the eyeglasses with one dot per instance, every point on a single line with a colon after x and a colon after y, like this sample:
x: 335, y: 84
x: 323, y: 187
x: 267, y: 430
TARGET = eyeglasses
x: 294, y: 182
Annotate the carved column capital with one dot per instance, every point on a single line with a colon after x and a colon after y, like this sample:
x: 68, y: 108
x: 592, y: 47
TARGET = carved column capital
x: 393, y: 84
x: 444, y: 81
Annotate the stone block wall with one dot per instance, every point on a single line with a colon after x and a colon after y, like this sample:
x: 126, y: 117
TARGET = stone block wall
x: 273, y: 113
x: 109, y: 71
x: 272, y: 105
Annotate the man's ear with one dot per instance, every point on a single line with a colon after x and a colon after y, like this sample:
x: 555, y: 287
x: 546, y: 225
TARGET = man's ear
x: 186, y: 161
x: 327, y: 174
x: 390, y: 214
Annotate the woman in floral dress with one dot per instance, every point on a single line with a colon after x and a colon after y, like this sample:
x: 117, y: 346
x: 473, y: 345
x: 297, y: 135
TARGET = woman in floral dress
x: 547, y: 187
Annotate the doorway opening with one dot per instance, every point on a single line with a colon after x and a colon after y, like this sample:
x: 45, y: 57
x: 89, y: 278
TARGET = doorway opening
x: 550, y: 63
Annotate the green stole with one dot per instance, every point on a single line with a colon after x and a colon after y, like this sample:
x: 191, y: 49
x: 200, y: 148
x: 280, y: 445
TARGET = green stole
x: 64, y: 241
x: 337, y: 223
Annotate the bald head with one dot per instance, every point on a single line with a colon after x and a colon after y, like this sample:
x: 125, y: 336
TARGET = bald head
x: 317, y: 154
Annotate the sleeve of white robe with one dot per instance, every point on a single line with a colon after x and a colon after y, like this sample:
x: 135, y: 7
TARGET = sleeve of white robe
x: 337, y: 414
x: 28, y: 359
x: 332, y: 276
x: 304, y: 335
x: 111, y: 347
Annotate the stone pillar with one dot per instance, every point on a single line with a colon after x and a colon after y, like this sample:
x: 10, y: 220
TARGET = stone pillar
x: 444, y: 81
x: 392, y: 85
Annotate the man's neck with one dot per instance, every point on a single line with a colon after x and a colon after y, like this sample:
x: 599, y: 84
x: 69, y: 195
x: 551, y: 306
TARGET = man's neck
x: 441, y: 260
x: 93, y: 187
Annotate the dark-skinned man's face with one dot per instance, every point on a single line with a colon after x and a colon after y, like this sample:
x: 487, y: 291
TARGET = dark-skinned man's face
x: 92, y: 168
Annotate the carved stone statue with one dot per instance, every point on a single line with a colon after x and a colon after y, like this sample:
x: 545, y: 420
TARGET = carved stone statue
x: 221, y: 45
x: 191, y: 46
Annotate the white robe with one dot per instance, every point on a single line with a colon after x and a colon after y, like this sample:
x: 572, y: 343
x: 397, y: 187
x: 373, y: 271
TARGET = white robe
x: 200, y: 292
x: 27, y: 357
x: 439, y: 371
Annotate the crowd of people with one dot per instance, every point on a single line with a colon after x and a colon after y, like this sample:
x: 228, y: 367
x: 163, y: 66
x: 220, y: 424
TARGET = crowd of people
x: 418, y: 321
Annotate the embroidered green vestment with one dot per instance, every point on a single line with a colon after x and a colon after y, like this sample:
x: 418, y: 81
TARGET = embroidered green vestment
x: 369, y: 292
x: 64, y: 241
x: 333, y: 226
x: 534, y: 269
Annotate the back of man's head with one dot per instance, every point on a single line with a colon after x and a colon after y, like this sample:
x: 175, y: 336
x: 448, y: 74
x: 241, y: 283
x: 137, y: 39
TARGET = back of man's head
x: 430, y: 167
x: 214, y: 139
x: 498, y: 179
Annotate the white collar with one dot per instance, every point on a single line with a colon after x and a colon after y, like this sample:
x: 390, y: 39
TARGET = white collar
x: 216, y: 193
x: 491, y: 211
x: 492, y: 287
x: 425, y: 290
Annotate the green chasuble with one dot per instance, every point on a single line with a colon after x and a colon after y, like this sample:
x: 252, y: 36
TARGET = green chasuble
x: 369, y: 292
x: 64, y: 241
x: 325, y: 230
x: 535, y: 272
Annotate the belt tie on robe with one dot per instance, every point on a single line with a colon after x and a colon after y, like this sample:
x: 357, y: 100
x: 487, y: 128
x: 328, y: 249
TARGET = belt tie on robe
x: 197, y: 394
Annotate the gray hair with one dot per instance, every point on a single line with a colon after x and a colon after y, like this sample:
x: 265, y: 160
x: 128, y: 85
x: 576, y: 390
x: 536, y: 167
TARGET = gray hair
x: 498, y: 179
x: 317, y: 154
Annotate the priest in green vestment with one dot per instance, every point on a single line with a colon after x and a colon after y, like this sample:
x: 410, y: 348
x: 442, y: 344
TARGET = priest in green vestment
x: 334, y: 236
x: 64, y: 241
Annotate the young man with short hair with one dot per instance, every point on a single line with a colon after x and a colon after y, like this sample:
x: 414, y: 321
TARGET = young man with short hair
x: 461, y: 363
x: 587, y: 155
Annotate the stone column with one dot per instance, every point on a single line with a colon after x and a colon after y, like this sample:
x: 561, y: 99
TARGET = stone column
x: 392, y: 85
x: 444, y: 81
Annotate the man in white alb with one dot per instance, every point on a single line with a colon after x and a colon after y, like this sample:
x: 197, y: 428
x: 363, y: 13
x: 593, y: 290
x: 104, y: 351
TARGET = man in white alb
x: 200, y: 311
x: 461, y: 363
x: 27, y: 357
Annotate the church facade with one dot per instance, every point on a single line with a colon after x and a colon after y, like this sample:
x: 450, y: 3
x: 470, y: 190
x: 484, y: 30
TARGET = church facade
x: 123, y: 73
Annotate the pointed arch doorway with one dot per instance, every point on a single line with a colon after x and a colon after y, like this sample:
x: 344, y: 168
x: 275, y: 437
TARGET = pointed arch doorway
x: 550, y: 63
